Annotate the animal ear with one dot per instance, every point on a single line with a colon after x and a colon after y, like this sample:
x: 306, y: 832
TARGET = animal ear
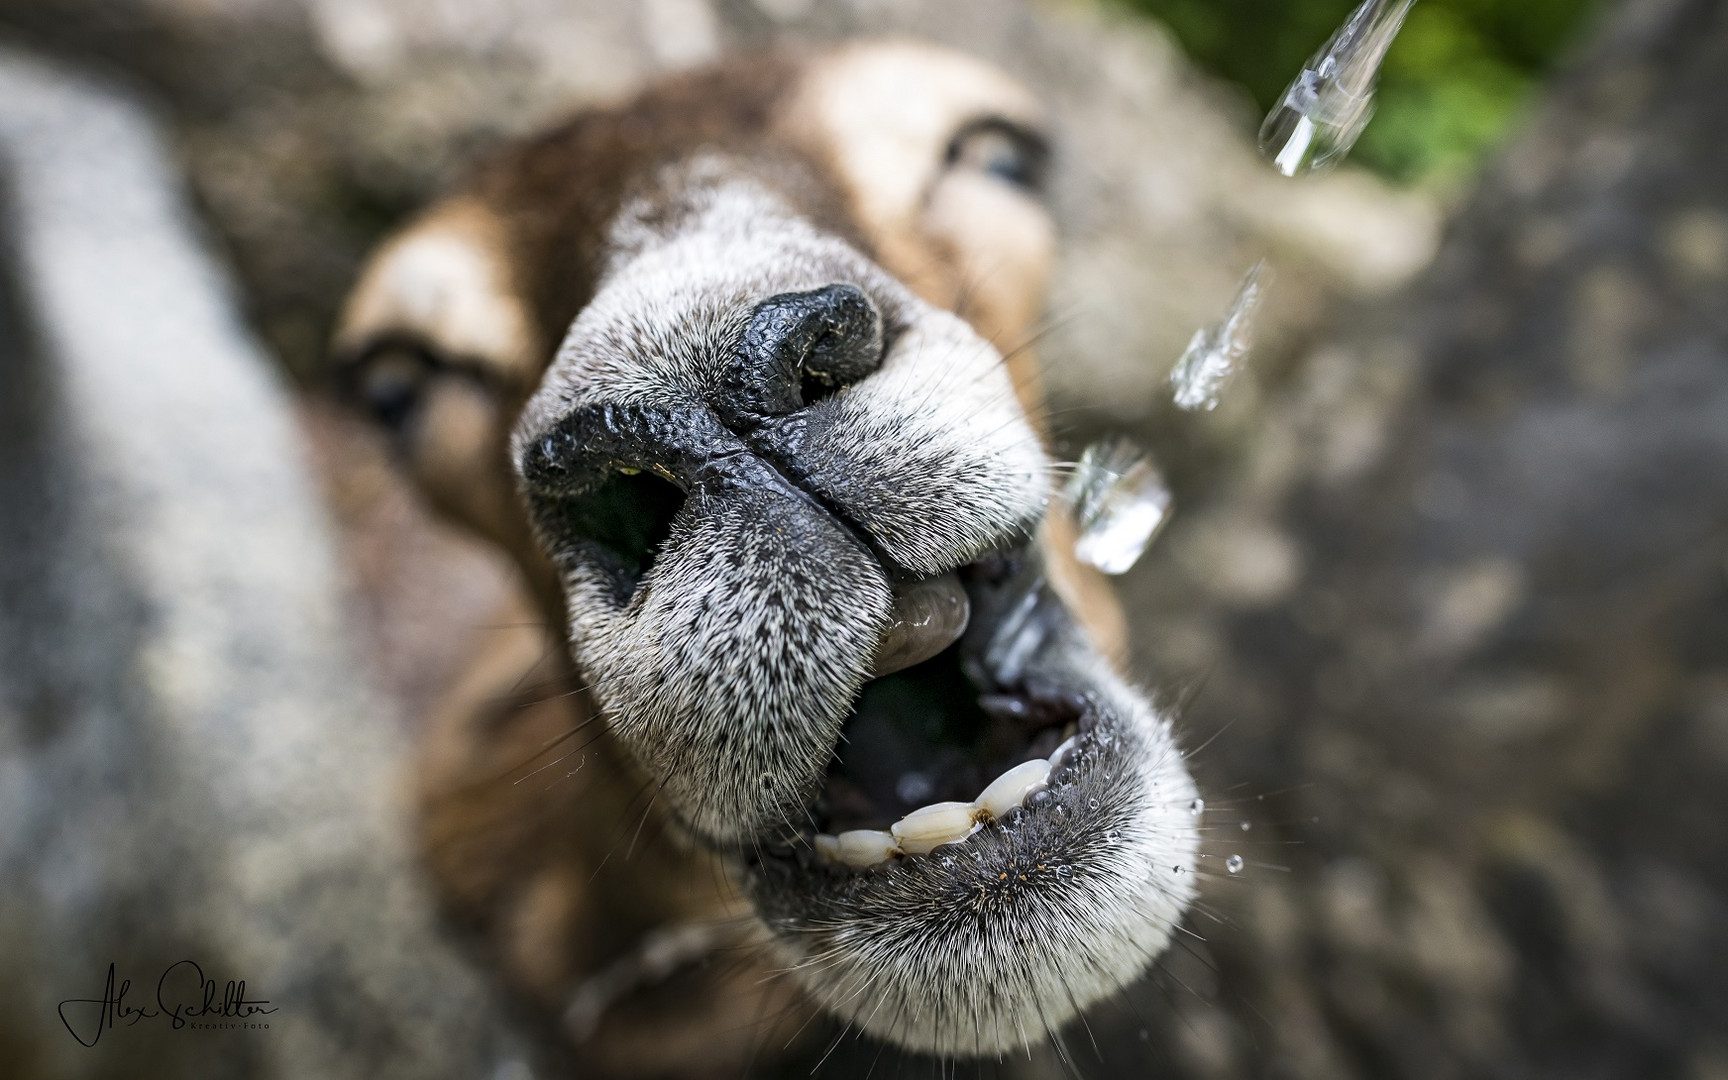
x: 445, y: 286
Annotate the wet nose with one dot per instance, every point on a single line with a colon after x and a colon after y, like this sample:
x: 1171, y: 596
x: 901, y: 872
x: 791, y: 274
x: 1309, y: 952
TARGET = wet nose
x: 797, y: 347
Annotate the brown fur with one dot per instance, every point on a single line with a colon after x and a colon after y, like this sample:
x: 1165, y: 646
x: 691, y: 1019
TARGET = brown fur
x: 562, y: 871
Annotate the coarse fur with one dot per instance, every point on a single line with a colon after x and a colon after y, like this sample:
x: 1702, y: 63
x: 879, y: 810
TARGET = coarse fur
x: 605, y: 311
x: 730, y: 666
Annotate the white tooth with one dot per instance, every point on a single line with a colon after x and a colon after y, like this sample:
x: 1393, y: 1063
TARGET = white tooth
x: 863, y: 848
x: 1061, y: 752
x: 1011, y: 788
x: 929, y: 827
x: 828, y: 847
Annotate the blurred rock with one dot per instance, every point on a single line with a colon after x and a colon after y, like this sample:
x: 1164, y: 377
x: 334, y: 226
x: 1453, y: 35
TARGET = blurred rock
x: 311, y: 126
x: 1476, y: 728
x: 191, y: 767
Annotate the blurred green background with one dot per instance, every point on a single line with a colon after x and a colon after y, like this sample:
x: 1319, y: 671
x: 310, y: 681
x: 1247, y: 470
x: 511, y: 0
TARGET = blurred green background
x: 1453, y: 84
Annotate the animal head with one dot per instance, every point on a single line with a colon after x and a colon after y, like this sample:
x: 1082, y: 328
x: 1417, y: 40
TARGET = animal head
x: 736, y: 372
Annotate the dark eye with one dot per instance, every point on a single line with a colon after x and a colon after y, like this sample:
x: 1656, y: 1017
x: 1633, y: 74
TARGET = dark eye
x: 388, y: 381
x: 1006, y: 151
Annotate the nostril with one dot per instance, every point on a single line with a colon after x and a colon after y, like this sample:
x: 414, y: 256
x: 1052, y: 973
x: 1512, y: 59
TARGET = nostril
x: 848, y: 345
x: 796, y: 348
x: 813, y: 387
x: 626, y: 519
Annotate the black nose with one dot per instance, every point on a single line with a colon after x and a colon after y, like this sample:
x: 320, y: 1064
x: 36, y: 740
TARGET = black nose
x: 797, y: 347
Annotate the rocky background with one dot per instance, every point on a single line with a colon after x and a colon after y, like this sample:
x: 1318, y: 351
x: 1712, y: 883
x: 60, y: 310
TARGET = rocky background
x: 1445, y: 603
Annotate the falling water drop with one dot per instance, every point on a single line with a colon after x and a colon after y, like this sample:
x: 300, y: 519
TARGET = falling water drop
x: 1246, y: 825
x: 1325, y: 109
x: 914, y: 788
x: 1030, y: 618
x: 1197, y: 807
x: 1119, y: 501
x: 1234, y: 864
x: 1215, y: 354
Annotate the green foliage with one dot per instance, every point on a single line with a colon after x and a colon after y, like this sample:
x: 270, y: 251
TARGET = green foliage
x: 1454, y: 82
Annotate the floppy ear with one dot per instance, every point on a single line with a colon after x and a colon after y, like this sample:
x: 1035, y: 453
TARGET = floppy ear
x: 437, y: 344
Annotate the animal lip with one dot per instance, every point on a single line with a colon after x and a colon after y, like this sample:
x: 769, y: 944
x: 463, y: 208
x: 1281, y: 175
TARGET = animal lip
x: 1047, y: 885
x: 929, y: 615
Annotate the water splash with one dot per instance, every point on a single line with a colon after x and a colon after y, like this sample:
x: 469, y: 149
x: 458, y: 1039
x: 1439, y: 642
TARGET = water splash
x: 1026, y: 625
x: 1214, y: 355
x: 1324, y: 111
x: 1119, y: 501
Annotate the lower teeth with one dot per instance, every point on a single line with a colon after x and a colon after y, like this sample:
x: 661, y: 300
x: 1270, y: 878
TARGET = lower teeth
x: 930, y: 827
x: 858, y: 848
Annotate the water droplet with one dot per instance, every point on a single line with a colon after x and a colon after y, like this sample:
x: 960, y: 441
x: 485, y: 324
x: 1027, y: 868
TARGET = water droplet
x: 1246, y: 826
x: 1114, y: 836
x: 1092, y: 804
x: 1064, y: 871
x: 1324, y: 111
x: 1023, y: 629
x: 1215, y: 354
x: 1234, y: 864
x: 914, y: 788
x: 1197, y: 807
x: 1119, y: 501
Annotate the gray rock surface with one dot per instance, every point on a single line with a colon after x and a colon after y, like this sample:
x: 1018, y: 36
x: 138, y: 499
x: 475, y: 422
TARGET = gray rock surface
x: 309, y: 126
x: 1455, y: 618
x: 190, y: 764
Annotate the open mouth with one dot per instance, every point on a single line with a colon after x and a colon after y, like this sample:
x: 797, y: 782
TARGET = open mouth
x: 1004, y: 836
x: 937, y: 751
x: 970, y: 741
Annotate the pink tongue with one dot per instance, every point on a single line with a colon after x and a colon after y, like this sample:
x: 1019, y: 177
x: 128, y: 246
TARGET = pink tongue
x: 928, y: 617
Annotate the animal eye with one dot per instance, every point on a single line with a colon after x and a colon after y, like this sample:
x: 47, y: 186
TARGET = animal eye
x: 390, y: 380
x: 1006, y: 151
